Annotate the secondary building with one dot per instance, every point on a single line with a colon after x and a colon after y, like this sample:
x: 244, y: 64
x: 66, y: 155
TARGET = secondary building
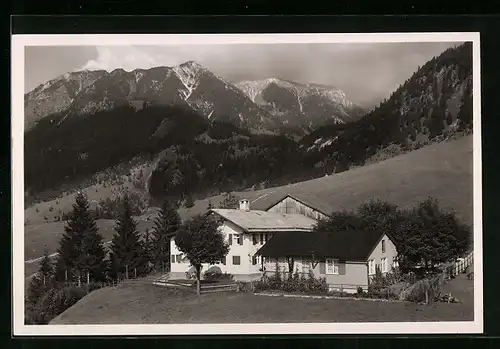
x: 245, y: 231
x: 346, y: 259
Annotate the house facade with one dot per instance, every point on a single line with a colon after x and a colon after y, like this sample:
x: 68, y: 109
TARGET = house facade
x: 347, y: 260
x: 245, y: 231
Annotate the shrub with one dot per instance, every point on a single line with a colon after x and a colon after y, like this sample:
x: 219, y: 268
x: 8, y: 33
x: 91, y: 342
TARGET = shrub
x: 55, y: 301
x: 216, y: 275
x: 295, y: 283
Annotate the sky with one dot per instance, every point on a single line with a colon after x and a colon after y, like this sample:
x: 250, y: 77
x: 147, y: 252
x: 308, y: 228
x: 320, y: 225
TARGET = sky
x: 366, y: 72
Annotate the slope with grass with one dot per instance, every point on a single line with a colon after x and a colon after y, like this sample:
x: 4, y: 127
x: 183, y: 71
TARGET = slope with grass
x: 148, y: 304
x: 442, y: 170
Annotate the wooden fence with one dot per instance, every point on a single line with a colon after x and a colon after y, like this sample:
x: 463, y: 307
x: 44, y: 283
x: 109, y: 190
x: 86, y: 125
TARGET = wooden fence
x: 461, y: 265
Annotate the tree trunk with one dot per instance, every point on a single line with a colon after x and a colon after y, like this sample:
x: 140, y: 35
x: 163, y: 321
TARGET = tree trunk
x: 198, y: 272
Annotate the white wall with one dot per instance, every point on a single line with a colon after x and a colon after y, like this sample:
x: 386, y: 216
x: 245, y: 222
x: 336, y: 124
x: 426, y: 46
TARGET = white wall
x: 390, y: 253
x: 244, y: 251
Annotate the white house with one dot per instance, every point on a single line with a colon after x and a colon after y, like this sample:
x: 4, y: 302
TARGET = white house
x: 246, y: 232
x: 346, y: 259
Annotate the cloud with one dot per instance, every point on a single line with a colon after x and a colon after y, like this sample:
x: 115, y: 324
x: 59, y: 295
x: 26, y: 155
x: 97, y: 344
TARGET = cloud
x: 126, y: 57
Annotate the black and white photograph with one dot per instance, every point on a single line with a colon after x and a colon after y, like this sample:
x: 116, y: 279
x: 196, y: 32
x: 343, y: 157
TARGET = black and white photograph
x: 246, y: 184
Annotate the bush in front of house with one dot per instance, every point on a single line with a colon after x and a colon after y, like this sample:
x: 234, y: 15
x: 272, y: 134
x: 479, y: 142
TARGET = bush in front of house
x: 292, y: 283
x: 214, y: 275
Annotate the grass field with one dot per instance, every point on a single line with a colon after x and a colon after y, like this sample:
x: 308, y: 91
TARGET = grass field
x: 147, y: 304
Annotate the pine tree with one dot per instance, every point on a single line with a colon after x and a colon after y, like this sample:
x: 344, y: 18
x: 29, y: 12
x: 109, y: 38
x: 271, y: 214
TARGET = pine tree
x: 41, y: 282
x: 165, y: 227
x: 148, y: 249
x: 126, y: 245
x: 81, y: 247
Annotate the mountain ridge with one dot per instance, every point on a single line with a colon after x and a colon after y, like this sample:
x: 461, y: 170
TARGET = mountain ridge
x: 188, y: 84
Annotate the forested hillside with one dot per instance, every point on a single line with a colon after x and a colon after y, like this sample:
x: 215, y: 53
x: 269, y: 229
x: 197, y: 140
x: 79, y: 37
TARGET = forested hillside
x: 195, y: 156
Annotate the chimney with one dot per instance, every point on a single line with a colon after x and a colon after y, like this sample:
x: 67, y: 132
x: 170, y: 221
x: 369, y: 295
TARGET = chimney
x: 245, y: 205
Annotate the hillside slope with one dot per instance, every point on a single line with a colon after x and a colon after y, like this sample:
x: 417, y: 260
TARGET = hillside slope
x: 436, y: 100
x: 442, y: 170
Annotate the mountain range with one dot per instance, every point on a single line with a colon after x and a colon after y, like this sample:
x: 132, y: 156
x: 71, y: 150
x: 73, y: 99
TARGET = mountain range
x: 184, y: 131
x: 261, y: 106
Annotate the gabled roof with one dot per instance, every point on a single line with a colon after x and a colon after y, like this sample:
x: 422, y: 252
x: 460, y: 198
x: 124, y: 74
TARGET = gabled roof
x: 257, y: 221
x: 343, y: 245
x: 311, y: 201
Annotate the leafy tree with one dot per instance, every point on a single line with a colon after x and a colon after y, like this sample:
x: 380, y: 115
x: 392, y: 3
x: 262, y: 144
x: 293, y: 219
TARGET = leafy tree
x: 42, y: 281
x: 381, y: 216
x: 81, y: 247
x: 165, y: 227
x: 126, y: 245
x: 342, y: 220
x: 430, y: 236
x: 230, y: 201
x: 202, y: 242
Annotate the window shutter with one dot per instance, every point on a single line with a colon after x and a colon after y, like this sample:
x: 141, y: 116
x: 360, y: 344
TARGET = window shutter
x: 240, y: 239
x: 230, y: 239
x: 322, y: 268
x: 173, y: 258
x: 254, y: 239
x: 342, y: 268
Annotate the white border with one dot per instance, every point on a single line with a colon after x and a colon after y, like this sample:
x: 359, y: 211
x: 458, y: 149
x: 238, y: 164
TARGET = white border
x: 19, y: 328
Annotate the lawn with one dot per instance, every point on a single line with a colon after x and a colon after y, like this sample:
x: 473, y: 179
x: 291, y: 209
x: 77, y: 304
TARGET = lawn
x: 147, y: 304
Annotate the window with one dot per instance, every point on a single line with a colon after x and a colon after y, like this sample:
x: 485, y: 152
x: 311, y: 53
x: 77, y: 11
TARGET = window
x: 236, y: 260
x: 371, y: 267
x: 383, y: 246
x: 223, y: 261
x: 178, y: 258
x: 230, y: 239
x: 255, y: 239
x: 261, y: 239
x: 255, y: 260
x: 239, y: 239
x: 332, y: 266
x: 395, y: 263
x: 383, y: 265
x: 172, y: 258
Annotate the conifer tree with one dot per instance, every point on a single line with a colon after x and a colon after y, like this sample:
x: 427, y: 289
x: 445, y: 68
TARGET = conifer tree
x: 148, y: 249
x: 81, y: 249
x: 42, y: 281
x: 165, y: 227
x: 126, y: 246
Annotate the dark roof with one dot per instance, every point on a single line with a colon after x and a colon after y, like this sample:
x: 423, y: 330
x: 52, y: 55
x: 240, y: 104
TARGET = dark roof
x: 344, y: 245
